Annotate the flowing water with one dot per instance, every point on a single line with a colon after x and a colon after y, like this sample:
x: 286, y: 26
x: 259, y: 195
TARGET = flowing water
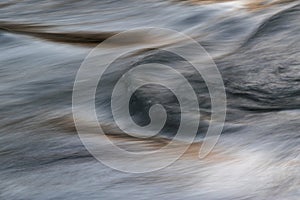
x: 256, y: 47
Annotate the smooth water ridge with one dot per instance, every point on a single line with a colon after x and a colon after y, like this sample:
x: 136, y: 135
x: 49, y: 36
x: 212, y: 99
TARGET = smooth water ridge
x: 255, y: 46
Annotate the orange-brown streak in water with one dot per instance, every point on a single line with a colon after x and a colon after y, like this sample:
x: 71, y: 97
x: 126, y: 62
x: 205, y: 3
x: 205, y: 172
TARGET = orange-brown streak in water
x: 80, y: 37
x: 252, y: 5
x: 130, y: 143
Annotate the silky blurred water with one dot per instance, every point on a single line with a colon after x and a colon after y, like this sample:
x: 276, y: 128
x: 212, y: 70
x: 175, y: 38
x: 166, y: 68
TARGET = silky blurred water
x: 254, y: 44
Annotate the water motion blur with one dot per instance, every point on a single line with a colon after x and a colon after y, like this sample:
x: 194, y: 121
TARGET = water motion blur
x: 254, y: 44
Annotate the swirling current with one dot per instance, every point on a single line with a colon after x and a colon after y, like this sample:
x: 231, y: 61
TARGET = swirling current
x: 255, y: 45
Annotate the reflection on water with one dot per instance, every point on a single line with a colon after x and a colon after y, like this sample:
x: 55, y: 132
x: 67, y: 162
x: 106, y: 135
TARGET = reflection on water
x: 255, y: 45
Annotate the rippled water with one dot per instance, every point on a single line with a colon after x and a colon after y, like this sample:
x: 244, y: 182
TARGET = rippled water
x: 255, y: 46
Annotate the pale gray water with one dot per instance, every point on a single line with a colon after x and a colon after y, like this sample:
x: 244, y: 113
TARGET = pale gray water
x: 42, y: 46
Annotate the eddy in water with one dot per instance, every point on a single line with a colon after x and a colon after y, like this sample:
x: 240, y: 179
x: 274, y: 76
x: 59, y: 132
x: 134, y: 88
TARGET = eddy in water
x: 48, y: 138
